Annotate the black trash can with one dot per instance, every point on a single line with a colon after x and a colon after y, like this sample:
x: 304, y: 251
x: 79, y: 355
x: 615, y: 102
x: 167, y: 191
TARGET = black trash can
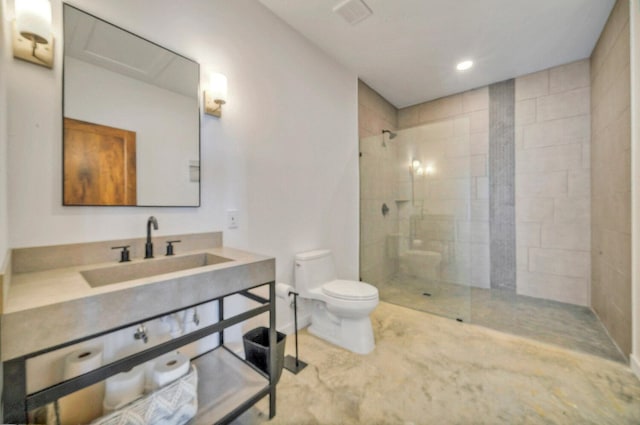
x: 256, y: 349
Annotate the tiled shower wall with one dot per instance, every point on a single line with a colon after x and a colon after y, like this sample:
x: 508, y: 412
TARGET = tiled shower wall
x: 552, y: 183
x: 472, y: 107
x: 552, y: 179
x: 611, y: 177
x: 377, y: 178
x: 433, y: 207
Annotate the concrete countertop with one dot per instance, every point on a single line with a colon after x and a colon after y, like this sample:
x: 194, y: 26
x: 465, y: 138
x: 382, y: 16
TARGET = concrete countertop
x: 51, y: 307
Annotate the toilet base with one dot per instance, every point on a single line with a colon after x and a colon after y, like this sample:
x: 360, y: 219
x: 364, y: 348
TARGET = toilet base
x: 353, y: 334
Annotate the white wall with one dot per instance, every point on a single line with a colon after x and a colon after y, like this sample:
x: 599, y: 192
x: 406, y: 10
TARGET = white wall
x: 284, y: 154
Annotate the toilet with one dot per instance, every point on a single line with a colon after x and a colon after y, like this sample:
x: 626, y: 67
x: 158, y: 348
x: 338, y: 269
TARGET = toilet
x: 340, y: 308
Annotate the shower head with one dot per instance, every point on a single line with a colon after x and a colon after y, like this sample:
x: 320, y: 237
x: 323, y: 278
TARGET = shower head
x: 392, y: 135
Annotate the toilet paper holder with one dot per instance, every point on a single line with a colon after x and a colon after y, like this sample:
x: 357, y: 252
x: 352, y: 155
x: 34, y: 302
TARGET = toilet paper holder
x: 294, y: 364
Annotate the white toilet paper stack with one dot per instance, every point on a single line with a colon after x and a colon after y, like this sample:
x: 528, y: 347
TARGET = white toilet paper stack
x: 149, y: 366
x: 123, y: 388
x: 169, y: 368
x: 82, y: 406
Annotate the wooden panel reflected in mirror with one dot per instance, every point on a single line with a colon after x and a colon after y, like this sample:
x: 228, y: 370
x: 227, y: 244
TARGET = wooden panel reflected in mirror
x: 99, y: 164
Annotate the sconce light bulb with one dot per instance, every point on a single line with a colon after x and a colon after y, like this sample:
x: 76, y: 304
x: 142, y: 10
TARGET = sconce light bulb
x: 420, y: 171
x: 218, y: 88
x: 33, y: 20
x: 415, y: 164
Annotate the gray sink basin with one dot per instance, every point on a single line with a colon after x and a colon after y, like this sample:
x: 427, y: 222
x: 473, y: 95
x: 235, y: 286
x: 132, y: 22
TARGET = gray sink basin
x: 148, y: 268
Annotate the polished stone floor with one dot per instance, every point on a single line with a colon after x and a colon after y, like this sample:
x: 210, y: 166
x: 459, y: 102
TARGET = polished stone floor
x: 566, y: 325
x: 426, y: 369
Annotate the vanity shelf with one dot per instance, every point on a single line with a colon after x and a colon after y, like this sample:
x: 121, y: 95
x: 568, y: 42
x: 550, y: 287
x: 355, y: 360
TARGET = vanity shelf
x: 227, y: 384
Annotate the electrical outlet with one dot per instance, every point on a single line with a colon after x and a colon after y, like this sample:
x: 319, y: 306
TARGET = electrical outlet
x: 232, y: 219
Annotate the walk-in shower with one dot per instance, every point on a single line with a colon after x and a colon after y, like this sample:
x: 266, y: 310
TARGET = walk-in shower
x: 431, y: 250
x: 422, y: 249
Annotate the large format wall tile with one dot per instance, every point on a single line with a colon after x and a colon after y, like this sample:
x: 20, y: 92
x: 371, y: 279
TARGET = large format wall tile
x: 553, y: 199
x: 611, y: 177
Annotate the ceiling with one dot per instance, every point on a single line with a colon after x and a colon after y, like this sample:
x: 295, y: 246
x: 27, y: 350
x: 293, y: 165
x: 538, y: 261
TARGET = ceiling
x: 407, y: 50
x: 100, y: 43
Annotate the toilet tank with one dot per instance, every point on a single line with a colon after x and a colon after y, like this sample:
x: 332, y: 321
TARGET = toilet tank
x: 312, y: 269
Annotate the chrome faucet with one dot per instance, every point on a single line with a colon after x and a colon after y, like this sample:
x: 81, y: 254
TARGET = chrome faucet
x: 148, y: 247
x: 141, y: 333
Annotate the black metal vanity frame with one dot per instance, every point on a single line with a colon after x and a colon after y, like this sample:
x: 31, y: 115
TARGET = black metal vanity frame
x: 17, y: 403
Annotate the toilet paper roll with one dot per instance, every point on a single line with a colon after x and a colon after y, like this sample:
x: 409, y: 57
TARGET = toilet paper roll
x: 149, y: 366
x: 283, y: 290
x: 82, y: 361
x: 169, y: 369
x: 123, y: 388
x: 84, y: 405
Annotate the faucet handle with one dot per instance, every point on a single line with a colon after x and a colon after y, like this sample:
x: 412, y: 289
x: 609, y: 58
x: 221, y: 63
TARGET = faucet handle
x: 170, y: 246
x: 124, y: 254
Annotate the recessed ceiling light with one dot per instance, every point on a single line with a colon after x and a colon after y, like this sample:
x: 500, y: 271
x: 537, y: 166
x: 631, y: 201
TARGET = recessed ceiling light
x: 464, y: 65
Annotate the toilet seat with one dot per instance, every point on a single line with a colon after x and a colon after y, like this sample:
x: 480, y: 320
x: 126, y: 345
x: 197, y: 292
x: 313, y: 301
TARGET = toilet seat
x: 350, y: 290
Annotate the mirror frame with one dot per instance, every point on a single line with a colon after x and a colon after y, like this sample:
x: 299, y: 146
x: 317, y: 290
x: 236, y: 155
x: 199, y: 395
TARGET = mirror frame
x: 199, y: 101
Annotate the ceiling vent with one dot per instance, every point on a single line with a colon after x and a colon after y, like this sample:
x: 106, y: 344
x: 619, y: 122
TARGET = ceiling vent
x: 353, y: 11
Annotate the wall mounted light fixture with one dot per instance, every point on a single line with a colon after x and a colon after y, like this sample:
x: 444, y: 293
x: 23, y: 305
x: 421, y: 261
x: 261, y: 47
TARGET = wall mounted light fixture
x: 418, y: 169
x: 215, y: 94
x: 32, y: 39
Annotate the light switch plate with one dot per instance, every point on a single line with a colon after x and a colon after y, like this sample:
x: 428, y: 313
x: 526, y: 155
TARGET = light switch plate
x: 232, y: 219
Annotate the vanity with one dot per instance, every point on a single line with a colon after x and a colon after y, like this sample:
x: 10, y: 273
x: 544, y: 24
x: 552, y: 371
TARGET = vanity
x: 64, y: 296
x: 131, y: 129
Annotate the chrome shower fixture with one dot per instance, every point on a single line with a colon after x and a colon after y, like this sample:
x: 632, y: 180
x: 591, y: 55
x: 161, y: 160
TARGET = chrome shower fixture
x: 392, y: 135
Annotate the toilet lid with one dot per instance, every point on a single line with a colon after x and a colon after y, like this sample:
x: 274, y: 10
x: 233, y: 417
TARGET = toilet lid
x: 350, y: 290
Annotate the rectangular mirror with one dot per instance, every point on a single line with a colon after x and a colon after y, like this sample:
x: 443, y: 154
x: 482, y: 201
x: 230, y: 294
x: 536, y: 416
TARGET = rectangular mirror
x: 131, y: 118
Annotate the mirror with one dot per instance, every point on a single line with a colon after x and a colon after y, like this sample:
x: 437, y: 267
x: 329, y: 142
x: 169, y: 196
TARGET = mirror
x: 131, y: 118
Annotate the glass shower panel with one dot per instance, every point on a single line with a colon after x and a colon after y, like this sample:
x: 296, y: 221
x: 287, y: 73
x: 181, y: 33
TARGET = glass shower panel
x: 378, y: 262
x: 428, y: 241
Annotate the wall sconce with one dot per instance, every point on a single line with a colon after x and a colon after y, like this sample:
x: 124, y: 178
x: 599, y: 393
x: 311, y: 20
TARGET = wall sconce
x: 215, y: 94
x: 32, y: 39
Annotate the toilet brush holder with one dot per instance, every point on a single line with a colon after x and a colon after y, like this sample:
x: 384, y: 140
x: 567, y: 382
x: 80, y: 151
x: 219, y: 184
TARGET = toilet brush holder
x: 294, y: 364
